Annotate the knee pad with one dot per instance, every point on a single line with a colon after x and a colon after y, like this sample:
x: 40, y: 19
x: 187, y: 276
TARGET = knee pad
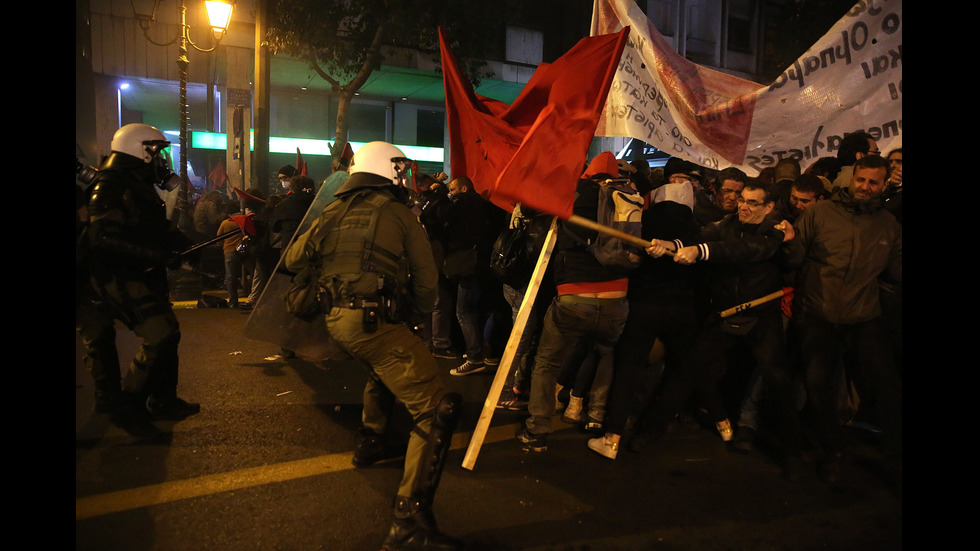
x: 447, y: 412
x: 444, y: 418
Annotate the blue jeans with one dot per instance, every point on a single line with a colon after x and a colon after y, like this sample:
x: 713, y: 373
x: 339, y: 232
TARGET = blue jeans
x: 468, y: 292
x: 521, y: 365
x: 440, y: 323
x: 233, y: 276
x: 568, y: 320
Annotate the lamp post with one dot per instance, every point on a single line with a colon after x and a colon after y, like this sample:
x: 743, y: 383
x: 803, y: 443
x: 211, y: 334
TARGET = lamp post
x: 219, y: 17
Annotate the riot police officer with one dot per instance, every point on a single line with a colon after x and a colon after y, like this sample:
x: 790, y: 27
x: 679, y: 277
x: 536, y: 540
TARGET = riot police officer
x: 130, y: 244
x: 377, y: 273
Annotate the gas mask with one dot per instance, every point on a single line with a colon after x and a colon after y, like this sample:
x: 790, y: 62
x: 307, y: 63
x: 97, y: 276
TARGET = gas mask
x: 163, y: 174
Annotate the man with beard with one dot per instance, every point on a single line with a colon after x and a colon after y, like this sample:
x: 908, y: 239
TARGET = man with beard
x: 853, y: 244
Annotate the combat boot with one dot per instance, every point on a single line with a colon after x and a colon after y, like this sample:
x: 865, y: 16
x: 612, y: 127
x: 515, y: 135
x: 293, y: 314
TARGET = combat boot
x: 370, y: 448
x: 107, y: 400
x: 414, y: 529
x: 129, y: 413
x: 171, y: 408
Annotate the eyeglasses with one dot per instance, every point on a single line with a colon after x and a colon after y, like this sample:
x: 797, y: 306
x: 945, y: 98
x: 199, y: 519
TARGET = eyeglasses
x: 752, y: 203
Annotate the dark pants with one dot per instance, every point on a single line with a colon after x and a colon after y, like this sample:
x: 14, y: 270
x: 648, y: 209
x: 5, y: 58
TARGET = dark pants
x: 634, y: 380
x: 148, y: 313
x: 862, y: 349
x: 704, y: 368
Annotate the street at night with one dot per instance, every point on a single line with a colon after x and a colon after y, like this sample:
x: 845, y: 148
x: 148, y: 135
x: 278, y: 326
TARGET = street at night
x: 266, y: 465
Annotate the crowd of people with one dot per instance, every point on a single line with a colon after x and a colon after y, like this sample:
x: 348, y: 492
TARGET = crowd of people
x: 766, y: 308
x: 258, y: 229
x: 810, y: 261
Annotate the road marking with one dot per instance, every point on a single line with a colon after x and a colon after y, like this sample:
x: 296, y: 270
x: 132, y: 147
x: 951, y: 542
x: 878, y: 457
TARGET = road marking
x: 166, y: 492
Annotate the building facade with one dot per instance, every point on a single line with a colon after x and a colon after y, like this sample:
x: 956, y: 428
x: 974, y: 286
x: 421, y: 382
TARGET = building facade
x: 127, y: 71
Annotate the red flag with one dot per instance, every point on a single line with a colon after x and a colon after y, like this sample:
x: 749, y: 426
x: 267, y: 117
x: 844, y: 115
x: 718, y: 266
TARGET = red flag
x: 218, y: 175
x: 533, y: 150
x: 246, y: 222
x: 251, y: 201
x: 347, y: 156
x: 300, y: 164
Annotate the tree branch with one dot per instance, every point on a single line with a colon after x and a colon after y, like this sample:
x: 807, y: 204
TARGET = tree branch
x: 310, y: 58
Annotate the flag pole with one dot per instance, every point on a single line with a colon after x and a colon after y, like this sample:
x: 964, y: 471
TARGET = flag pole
x: 593, y: 225
x: 503, y: 370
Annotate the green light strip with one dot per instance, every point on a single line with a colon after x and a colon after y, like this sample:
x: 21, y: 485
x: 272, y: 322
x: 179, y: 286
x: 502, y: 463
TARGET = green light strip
x: 219, y: 141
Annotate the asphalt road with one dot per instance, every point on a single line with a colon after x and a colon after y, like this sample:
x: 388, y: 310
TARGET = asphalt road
x: 266, y: 466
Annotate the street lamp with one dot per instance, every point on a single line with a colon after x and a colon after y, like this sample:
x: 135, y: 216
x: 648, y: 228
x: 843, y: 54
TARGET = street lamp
x: 219, y: 17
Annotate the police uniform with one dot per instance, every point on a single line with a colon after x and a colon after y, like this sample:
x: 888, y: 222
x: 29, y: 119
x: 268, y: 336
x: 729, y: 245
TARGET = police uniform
x: 373, y: 254
x: 129, y: 243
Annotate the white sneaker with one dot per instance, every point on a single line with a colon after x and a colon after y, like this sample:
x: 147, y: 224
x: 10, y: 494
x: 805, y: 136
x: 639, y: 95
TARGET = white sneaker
x: 468, y: 368
x: 604, y: 447
x: 725, y: 430
x: 573, y: 413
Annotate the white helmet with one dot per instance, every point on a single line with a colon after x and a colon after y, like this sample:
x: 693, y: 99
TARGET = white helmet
x: 145, y: 142
x: 381, y: 159
x: 139, y: 140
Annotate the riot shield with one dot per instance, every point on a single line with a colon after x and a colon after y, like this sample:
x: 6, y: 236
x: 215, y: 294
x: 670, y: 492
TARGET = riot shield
x: 270, y: 322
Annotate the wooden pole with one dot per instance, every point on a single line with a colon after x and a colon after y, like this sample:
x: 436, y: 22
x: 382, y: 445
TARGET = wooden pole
x: 503, y: 370
x: 593, y: 225
x: 746, y: 305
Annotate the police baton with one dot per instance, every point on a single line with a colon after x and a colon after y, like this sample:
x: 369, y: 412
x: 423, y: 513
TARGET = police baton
x: 203, y: 244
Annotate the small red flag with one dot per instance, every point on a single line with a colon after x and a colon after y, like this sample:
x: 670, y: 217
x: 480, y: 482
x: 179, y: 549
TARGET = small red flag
x: 251, y: 201
x: 347, y: 156
x: 300, y: 163
x: 246, y: 222
x: 218, y: 176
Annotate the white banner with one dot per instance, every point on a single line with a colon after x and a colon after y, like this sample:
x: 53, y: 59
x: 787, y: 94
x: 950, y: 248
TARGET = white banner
x: 850, y: 80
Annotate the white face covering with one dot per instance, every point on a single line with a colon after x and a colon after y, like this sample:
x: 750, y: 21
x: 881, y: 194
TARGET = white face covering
x: 682, y: 193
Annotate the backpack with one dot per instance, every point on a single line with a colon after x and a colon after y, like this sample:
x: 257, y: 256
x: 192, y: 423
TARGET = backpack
x: 620, y: 208
x: 510, y: 259
x: 516, y: 250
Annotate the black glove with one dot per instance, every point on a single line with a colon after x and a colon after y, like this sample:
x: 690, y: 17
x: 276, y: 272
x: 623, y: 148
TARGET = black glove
x: 172, y: 260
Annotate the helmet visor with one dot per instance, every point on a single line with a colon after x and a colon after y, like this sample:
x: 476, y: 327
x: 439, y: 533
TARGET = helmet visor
x: 405, y: 170
x: 160, y: 151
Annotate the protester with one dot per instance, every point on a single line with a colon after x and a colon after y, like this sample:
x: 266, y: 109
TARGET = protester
x: 745, y: 256
x: 852, y: 244
x: 661, y: 308
x: 591, y: 302
x: 469, y: 236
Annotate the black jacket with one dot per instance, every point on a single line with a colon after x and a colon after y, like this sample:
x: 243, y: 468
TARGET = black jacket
x: 289, y: 213
x: 744, y: 262
x: 657, y: 279
x: 573, y: 262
